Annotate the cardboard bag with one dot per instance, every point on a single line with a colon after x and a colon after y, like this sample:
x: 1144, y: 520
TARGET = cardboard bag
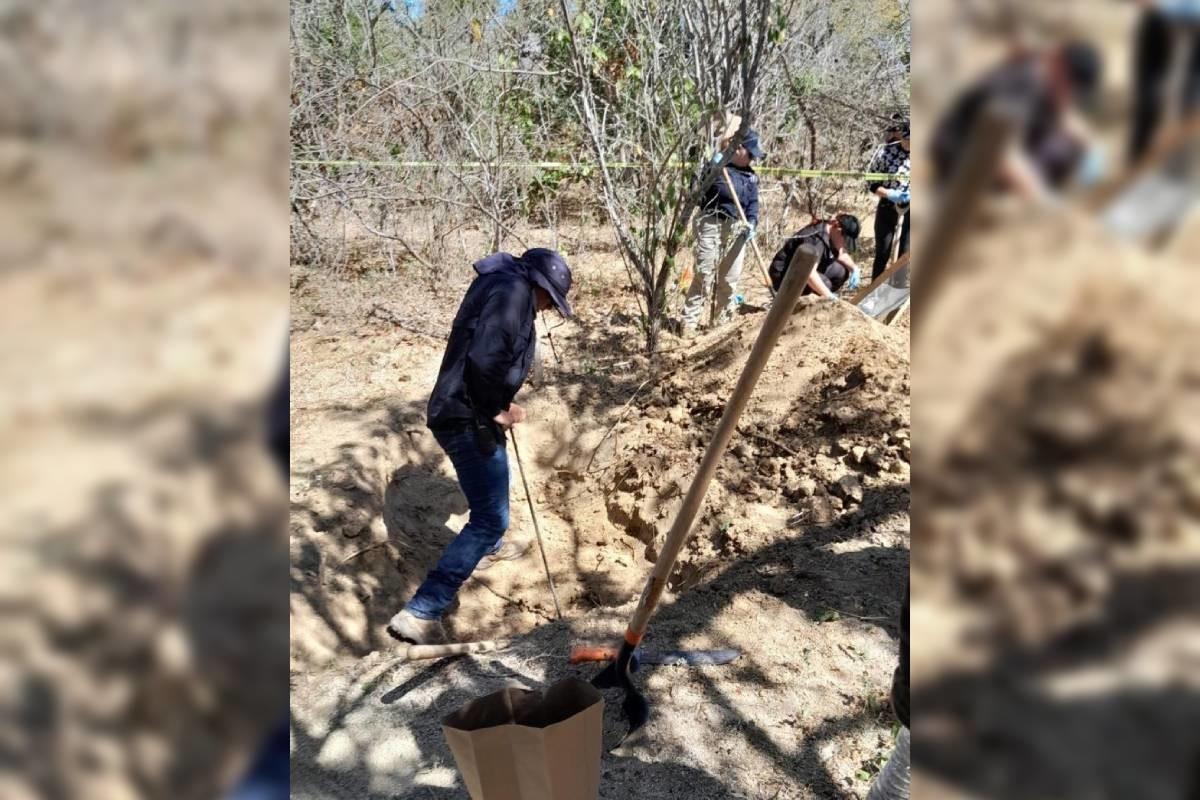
x: 523, y: 745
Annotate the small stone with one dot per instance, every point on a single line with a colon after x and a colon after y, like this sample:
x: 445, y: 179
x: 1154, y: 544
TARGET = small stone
x: 858, y: 453
x: 677, y: 415
x: 848, y: 488
x: 819, y: 509
x: 806, y: 487
x: 895, y: 467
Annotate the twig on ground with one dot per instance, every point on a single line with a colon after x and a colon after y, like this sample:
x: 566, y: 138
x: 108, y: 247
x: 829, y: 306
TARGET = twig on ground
x: 770, y: 441
x: 624, y: 410
x: 365, y: 550
x: 511, y: 601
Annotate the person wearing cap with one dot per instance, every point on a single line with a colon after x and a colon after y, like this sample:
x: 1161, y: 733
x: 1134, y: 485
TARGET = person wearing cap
x: 717, y: 224
x: 1043, y: 89
x: 892, y: 159
x: 487, y: 359
x: 836, y: 239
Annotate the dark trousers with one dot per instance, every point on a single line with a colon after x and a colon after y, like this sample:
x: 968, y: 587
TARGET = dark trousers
x: 1154, y: 51
x: 886, y: 217
x: 483, y: 478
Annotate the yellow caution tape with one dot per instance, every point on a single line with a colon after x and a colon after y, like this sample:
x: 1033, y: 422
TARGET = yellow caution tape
x: 802, y: 173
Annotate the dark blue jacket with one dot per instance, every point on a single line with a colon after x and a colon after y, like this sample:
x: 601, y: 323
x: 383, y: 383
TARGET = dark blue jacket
x: 718, y: 197
x: 490, y: 349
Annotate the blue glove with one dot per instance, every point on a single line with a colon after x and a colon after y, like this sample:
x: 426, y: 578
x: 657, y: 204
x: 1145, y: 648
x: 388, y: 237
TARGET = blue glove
x: 753, y: 232
x: 853, y: 281
x: 905, y: 198
x: 1091, y: 167
x: 896, y: 196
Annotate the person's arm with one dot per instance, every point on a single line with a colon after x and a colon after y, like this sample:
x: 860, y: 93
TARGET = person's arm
x: 845, y: 259
x: 493, y: 376
x: 1019, y: 173
x: 817, y: 285
x: 1077, y: 128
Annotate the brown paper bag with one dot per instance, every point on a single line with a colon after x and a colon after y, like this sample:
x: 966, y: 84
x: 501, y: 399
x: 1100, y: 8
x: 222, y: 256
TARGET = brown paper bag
x: 523, y: 745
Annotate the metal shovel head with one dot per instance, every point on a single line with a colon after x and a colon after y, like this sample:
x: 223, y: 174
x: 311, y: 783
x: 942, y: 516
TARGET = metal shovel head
x: 617, y: 675
x: 884, y: 299
x: 1150, y: 207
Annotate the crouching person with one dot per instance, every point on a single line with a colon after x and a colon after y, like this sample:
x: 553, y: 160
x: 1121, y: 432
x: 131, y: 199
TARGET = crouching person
x: 835, y: 239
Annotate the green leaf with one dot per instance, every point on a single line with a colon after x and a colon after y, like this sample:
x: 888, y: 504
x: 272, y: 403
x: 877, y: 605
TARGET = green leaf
x: 584, y: 23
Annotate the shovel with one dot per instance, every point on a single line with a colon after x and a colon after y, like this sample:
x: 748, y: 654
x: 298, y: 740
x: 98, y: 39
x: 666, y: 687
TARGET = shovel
x: 619, y: 672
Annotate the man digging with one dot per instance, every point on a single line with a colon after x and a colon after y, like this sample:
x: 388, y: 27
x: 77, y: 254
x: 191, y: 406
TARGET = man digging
x: 487, y: 359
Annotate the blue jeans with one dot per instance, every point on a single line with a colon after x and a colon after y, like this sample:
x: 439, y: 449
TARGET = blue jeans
x: 484, y: 481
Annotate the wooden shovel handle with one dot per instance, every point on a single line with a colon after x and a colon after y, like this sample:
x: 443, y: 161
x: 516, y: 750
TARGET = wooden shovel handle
x: 421, y: 652
x: 801, y: 267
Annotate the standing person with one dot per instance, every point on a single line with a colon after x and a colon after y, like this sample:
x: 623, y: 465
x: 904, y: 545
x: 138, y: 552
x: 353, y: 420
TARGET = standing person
x: 487, y: 359
x: 893, y: 159
x: 1164, y: 26
x: 717, y: 224
x: 835, y: 268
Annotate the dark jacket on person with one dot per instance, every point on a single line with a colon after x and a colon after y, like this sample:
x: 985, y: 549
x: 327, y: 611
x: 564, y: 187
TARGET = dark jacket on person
x: 719, y: 199
x: 827, y: 266
x: 490, y: 350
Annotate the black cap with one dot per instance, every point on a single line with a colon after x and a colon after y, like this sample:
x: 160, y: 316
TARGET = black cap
x: 850, y: 228
x: 549, y: 270
x: 752, y: 146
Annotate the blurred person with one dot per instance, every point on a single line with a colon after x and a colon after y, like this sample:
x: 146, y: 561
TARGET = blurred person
x: 893, y: 159
x: 892, y: 783
x: 488, y: 357
x: 836, y: 238
x: 717, y: 225
x: 1164, y: 27
x: 1045, y: 89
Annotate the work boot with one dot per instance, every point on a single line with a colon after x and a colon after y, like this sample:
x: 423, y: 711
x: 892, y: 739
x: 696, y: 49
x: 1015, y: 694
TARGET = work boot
x: 408, y: 627
x: 508, y: 551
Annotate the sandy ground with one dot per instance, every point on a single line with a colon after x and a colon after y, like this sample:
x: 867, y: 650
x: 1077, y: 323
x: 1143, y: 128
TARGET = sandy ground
x: 798, y: 560
x: 141, y: 628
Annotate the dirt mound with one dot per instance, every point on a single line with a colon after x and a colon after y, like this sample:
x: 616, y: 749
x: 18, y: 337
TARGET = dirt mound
x: 826, y: 435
